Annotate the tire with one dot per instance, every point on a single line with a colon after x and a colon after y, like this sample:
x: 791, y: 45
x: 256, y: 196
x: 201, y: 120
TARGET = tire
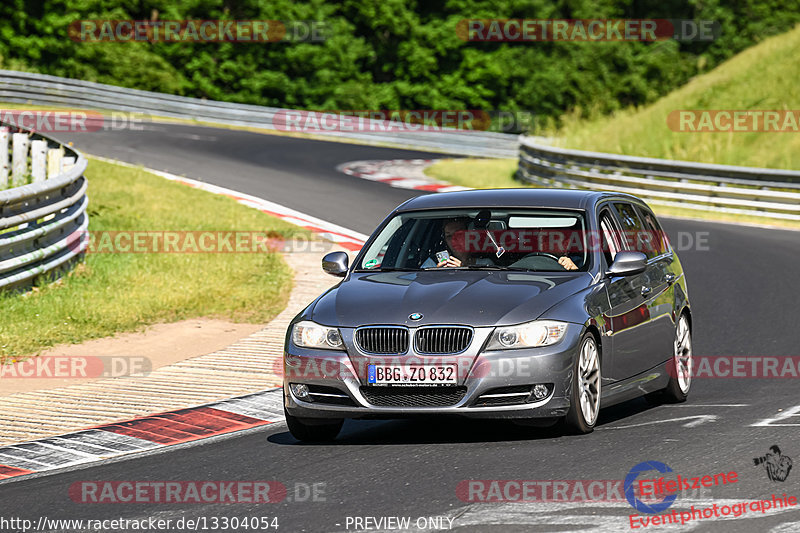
x: 680, y: 381
x: 313, y: 429
x: 586, y: 384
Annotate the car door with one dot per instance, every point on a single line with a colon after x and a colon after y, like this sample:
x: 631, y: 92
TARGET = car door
x: 640, y: 329
x: 661, y: 278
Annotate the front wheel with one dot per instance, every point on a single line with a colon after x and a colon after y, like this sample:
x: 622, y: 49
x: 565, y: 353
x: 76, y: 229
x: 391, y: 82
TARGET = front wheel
x: 585, y: 397
x: 313, y: 429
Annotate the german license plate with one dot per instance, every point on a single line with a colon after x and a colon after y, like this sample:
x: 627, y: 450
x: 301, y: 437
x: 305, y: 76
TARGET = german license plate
x: 412, y: 375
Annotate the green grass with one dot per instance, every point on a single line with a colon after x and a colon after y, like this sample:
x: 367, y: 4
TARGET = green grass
x: 476, y: 173
x: 763, y: 77
x: 499, y: 174
x: 119, y: 292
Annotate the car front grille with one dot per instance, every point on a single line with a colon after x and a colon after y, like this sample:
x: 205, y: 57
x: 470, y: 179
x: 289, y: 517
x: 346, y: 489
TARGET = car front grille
x: 413, y: 396
x: 442, y: 340
x: 382, y: 340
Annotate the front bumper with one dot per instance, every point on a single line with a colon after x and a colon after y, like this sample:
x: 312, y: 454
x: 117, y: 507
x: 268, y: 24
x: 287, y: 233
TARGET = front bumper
x: 337, y: 373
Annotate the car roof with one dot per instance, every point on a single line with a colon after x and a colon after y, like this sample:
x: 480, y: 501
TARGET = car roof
x: 563, y: 198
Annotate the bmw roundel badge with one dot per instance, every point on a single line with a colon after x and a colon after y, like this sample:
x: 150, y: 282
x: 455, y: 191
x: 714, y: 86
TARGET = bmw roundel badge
x: 415, y: 316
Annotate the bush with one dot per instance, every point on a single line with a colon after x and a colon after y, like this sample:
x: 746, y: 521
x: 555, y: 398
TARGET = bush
x: 393, y: 54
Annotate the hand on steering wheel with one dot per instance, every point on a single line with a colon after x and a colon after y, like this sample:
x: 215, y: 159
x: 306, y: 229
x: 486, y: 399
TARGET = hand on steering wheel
x: 567, y: 263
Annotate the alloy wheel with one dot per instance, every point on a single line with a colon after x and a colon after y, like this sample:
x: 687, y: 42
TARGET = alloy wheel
x: 683, y: 354
x: 589, y: 381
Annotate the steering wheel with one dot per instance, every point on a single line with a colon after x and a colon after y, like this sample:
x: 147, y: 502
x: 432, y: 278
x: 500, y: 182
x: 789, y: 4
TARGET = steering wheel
x: 551, y: 256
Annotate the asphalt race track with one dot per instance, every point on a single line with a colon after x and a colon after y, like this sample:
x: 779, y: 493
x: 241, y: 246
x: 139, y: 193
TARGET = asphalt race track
x: 743, y: 286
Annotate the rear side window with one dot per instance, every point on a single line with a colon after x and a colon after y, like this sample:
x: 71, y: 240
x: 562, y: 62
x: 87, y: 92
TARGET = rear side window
x: 635, y: 234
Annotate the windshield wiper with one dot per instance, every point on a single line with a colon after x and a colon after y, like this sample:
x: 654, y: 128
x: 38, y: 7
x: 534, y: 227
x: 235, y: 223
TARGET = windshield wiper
x: 447, y: 269
x: 495, y: 267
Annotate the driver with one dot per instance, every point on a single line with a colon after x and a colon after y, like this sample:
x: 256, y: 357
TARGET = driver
x: 565, y: 260
x: 456, y: 227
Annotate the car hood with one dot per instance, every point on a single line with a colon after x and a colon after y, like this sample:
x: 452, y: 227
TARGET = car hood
x: 476, y: 298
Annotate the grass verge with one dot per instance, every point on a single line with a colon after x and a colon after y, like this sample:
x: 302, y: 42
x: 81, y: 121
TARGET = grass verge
x: 499, y: 174
x: 763, y: 77
x: 120, y: 292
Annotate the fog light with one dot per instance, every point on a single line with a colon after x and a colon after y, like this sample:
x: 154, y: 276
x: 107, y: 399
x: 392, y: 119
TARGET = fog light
x: 299, y: 390
x: 540, y: 391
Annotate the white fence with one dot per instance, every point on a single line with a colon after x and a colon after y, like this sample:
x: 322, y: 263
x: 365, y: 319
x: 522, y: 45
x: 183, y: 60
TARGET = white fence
x: 43, y: 220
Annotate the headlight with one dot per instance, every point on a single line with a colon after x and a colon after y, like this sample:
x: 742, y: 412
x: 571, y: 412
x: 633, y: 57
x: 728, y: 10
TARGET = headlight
x: 528, y: 335
x: 311, y: 335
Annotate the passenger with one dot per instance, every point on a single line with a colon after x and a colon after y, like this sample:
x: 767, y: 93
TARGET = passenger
x: 458, y: 256
x: 453, y: 230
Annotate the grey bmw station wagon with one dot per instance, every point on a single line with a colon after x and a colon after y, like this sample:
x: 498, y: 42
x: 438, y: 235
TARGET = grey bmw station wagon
x: 540, y: 306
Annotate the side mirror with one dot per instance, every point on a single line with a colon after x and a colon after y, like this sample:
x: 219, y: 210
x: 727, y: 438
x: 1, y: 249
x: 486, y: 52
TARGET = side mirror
x: 336, y: 264
x: 627, y: 263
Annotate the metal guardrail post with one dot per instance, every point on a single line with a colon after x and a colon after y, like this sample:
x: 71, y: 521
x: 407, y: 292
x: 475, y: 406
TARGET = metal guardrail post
x: 54, y: 156
x: 4, y: 168
x: 38, y: 160
x: 19, y: 158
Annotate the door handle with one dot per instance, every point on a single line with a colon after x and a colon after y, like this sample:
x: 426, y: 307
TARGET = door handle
x: 646, y: 291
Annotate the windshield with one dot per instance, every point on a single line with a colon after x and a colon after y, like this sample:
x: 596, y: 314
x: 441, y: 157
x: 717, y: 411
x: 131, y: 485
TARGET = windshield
x: 481, y: 239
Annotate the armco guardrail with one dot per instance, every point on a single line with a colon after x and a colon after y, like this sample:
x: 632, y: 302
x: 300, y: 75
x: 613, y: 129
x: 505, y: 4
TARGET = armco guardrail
x: 40, y: 89
x: 43, y: 220
x: 764, y: 192
x: 743, y: 190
